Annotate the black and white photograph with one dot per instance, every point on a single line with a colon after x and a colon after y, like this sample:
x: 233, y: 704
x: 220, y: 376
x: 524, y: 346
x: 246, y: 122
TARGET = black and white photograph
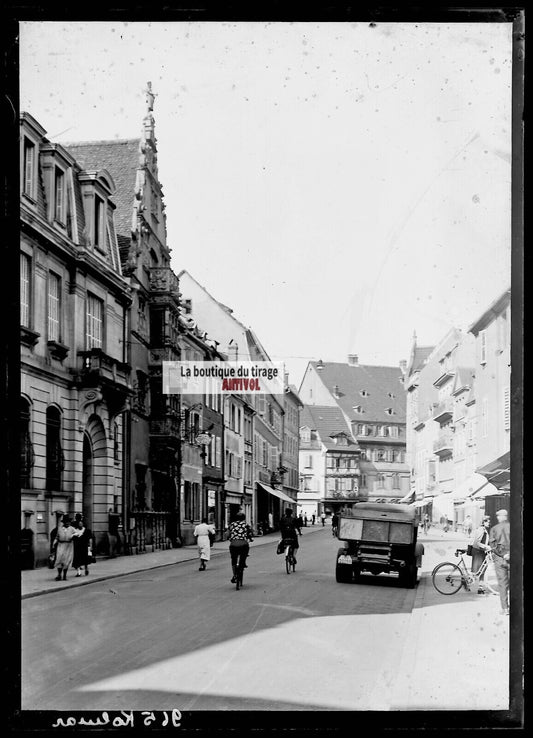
x: 269, y: 355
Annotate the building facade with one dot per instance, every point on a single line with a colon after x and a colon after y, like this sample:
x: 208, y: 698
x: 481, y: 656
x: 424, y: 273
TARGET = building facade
x: 75, y: 376
x: 372, y: 401
x: 492, y: 332
x: 329, y: 462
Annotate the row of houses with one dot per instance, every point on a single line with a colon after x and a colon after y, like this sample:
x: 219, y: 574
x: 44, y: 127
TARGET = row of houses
x: 459, y: 419
x: 101, y: 309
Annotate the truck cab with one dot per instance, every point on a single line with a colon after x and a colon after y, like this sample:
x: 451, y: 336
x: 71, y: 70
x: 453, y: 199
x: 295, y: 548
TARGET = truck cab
x: 379, y: 537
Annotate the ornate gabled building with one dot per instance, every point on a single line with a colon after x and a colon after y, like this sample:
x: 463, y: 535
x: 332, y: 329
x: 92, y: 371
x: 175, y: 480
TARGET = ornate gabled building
x: 372, y: 401
x: 329, y: 462
x: 75, y: 375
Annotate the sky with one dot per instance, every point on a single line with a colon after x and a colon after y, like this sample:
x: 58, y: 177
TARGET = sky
x: 338, y: 185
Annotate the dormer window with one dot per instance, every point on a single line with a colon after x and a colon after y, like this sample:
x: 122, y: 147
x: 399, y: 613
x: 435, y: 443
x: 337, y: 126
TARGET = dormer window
x: 98, y: 222
x: 391, y: 395
x: 389, y: 411
x: 29, y: 168
x: 357, y: 409
x: 59, y: 195
x: 364, y: 393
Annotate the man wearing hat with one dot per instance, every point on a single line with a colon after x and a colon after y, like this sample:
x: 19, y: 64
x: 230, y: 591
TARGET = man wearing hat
x: 499, y: 541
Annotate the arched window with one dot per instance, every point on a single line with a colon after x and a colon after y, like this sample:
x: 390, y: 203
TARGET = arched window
x: 54, y: 452
x: 26, y: 446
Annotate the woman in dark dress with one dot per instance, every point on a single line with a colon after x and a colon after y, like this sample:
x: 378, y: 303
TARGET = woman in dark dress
x: 81, y: 548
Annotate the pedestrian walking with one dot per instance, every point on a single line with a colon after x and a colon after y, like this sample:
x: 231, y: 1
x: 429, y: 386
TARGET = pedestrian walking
x: 499, y: 540
x: 467, y: 526
x: 270, y: 521
x: 300, y: 521
x: 480, y: 545
x: 313, y: 518
x: 202, y: 533
x: 65, y: 547
x: 305, y: 520
x: 334, y: 524
x: 83, y: 550
x: 426, y: 523
x: 323, y: 518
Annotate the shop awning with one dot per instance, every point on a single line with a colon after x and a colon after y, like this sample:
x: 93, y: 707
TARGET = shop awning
x: 498, y: 472
x: 408, y: 497
x: 233, y: 499
x: 422, y: 503
x: 277, y: 493
x: 469, y: 487
x: 487, y: 491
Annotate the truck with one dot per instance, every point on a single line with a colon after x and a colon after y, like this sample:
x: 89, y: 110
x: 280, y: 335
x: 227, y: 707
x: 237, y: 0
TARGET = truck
x: 379, y: 537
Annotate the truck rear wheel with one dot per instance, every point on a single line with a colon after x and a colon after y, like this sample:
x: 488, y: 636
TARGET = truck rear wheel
x: 409, y: 576
x: 343, y: 573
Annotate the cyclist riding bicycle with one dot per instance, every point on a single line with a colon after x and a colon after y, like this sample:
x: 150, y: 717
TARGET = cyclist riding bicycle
x: 289, y: 530
x: 239, y: 533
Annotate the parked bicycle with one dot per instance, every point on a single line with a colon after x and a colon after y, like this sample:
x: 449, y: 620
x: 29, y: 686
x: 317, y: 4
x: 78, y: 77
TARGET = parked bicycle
x: 448, y: 577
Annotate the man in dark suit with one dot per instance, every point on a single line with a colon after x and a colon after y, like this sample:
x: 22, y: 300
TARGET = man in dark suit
x: 499, y: 540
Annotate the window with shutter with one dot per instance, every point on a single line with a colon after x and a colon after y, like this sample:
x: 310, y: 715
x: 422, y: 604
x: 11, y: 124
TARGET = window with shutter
x: 507, y: 408
x: 25, y: 283
x: 54, y: 305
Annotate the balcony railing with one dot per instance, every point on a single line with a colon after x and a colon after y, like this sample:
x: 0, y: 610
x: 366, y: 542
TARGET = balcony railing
x: 95, y: 367
x: 332, y: 471
x: 444, y: 410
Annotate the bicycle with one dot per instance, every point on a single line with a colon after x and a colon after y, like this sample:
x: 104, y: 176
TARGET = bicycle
x: 448, y: 578
x: 239, y: 571
x: 290, y: 560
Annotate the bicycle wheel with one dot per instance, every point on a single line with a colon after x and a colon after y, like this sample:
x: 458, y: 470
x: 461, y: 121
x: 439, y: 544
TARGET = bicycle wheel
x: 238, y: 578
x: 447, y: 578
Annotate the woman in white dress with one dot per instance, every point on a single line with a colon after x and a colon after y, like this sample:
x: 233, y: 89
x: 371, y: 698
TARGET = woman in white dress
x: 202, y: 532
x: 65, y: 546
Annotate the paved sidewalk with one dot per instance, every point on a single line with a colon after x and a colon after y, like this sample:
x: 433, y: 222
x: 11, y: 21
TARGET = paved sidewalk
x: 41, y: 581
x: 456, y: 653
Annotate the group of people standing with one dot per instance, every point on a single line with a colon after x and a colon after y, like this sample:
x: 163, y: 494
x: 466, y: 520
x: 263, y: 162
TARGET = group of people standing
x: 70, y: 545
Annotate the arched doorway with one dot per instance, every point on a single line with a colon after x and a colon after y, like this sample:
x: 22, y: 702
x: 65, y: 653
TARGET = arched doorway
x: 96, y: 478
x: 88, y: 490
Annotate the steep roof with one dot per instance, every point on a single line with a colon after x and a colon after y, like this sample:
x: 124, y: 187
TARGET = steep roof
x: 328, y: 421
x: 121, y: 159
x: 421, y: 353
x: 378, y: 382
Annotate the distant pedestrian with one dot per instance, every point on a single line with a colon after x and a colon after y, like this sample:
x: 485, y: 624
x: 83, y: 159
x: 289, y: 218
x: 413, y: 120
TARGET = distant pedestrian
x: 202, y: 532
x: 82, y: 547
x: 313, y: 519
x: 65, y: 547
x: 270, y: 521
x: 323, y: 518
x: 300, y: 521
x: 426, y: 523
x: 480, y: 546
x: 334, y: 524
x: 305, y: 520
x: 467, y: 526
x: 499, y: 540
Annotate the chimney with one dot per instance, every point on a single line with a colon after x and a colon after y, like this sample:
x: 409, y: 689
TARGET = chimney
x: 286, y: 379
x: 403, y: 366
x: 336, y: 391
x: 353, y: 360
x: 320, y: 365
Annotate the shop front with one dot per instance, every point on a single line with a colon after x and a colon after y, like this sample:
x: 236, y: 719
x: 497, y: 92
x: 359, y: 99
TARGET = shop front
x: 270, y: 505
